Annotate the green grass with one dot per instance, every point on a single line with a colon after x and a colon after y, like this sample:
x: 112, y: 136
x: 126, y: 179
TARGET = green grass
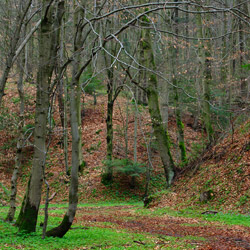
x: 101, y: 236
x: 82, y: 238
x: 96, y: 238
x: 225, y: 218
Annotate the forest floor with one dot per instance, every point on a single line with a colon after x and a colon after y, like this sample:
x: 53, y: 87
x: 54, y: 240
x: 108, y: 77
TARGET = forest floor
x: 130, y: 226
x: 201, y: 233
x: 173, y: 219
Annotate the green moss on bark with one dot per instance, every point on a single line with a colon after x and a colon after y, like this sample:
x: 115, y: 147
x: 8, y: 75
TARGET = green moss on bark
x: 28, y: 219
x: 183, y: 152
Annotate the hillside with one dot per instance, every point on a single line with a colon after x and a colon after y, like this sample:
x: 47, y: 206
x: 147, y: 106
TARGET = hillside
x: 224, y: 172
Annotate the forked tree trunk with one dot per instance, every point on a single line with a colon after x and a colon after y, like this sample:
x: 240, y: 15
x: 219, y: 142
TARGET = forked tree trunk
x: 48, y: 44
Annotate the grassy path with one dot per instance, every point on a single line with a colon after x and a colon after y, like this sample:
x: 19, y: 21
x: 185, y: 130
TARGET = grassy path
x: 127, y: 226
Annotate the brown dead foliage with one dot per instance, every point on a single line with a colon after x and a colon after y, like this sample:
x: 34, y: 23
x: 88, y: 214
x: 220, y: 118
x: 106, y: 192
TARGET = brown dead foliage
x: 226, y: 172
x: 217, y: 236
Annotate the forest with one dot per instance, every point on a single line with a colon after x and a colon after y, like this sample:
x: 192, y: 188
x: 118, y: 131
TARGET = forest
x: 124, y: 124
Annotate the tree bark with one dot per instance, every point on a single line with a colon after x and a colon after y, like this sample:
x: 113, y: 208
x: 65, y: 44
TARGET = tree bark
x: 48, y: 44
x: 65, y: 225
x: 179, y: 124
x: 153, y: 103
x: 20, y: 141
x: 204, y: 52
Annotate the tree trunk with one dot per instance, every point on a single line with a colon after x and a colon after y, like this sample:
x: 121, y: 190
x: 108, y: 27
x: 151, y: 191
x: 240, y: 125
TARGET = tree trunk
x: 153, y: 103
x: 65, y: 128
x: 65, y: 225
x: 180, y: 126
x: 78, y: 16
x: 48, y: 44
x: 204, y: 52
x: 20, y: 141
x: 126, y: 129
x: 108, y: 176
x: 109, y: 124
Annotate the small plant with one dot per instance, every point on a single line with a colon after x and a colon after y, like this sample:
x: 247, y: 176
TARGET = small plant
x: 91, y: 85
x: 15, y: 100
x: 98, y: 131
x: 129, y: 168
x: 245, y: 129
x: 197, y: 149
x: 8, y: 120
x: 28, y: 127
x: 82, y: 166
x: 243, y: 200
x: 125, y: 167
x: 94, y: 147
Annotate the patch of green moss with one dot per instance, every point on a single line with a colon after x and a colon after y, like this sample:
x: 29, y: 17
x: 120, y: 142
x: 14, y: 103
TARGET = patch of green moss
x: 28, y: 218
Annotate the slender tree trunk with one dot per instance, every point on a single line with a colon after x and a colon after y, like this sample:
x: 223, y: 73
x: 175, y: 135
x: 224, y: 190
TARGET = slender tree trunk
x: 148, y: 173
x: 65, y: 225
x: 108, y: 176
x: 109, y: 124
x: 126, y: 129
x: 48, y: 43
x: 61, y: 101
x: 135, y: 125
x: 65, y: 128
x: 205, y: 60
x: 20, y: 141
x: 243, y: 82
x: 223, y: 69
x: 180, y: 125
x: 78, y: 16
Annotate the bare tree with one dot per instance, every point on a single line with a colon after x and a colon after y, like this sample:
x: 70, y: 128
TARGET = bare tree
x: 14, y: 40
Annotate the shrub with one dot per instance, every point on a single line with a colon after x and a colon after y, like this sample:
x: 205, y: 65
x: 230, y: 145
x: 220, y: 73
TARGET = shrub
x: 125, y: 167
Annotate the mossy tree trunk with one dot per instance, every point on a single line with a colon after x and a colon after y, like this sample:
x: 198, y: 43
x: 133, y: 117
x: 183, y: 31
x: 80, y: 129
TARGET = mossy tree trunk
x: 48, y: 43
x: 153, y: 103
